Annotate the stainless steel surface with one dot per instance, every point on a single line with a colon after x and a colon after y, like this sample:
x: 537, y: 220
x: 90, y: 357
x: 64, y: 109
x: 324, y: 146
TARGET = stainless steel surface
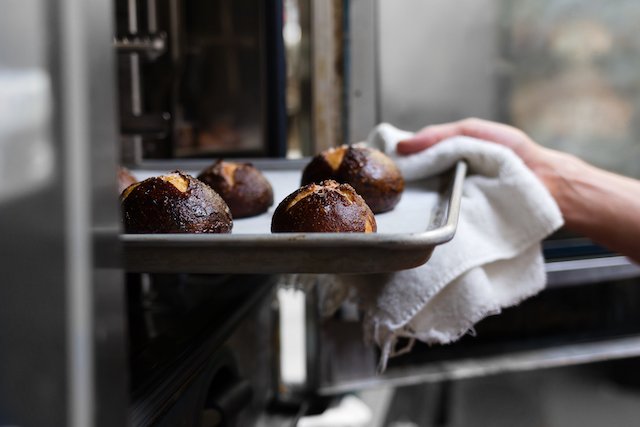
x: 95, y: 291
x: 61, y: 299
x: 152, y: 18
x: 328, y: 85
x: 562, y: 355
x: 136, y: 95
x: 592, y: 270
x: 151, y: 46
x: 362, y: 58
x: 30, y: 377
x: 298, y: 253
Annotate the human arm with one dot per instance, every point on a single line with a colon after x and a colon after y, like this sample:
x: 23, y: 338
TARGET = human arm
x: 600, y: 205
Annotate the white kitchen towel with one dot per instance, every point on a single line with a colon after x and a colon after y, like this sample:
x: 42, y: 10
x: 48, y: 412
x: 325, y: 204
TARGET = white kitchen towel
x: 494, y: 260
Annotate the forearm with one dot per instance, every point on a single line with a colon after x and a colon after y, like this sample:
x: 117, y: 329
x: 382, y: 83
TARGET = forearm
x: 597, y: 204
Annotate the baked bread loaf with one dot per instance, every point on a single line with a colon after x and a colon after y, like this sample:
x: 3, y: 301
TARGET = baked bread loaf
x: 174, y: 203
x: 241, y: 185
x: 369, y: 171
x: 328, y: 207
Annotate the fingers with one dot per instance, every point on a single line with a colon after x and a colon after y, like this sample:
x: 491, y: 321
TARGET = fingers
x: 536, y: 157
x: 428, y: 137
x: 477, y: 128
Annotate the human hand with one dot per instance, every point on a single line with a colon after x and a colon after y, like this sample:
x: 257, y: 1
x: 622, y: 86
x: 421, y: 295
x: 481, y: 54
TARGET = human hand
x: 595, y: 203
x: 502, y: 134
x: 544, y: 162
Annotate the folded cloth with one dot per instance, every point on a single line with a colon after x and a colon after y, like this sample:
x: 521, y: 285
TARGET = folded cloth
x: 493, y: 261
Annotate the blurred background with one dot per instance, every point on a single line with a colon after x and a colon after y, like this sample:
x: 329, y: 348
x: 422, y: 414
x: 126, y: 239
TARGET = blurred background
x: 564, y: 71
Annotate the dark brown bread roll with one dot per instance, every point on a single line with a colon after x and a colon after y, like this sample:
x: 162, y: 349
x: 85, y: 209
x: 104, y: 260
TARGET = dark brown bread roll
x: 370, y: 172
x: 174, y: 203
x: 241, y: 185
x: 328, y: 207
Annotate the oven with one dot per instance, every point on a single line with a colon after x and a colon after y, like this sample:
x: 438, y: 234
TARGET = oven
x: 166, y: 84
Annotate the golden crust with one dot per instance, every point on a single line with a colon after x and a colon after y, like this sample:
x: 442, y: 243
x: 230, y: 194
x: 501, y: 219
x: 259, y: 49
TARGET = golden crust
x: 180, y: 181
x: 334, y: 156
x: 328, y: 207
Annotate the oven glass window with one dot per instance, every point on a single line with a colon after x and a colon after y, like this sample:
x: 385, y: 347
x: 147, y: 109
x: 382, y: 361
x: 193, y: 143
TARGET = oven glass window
x: 195, y: 85
x: 220, y: 86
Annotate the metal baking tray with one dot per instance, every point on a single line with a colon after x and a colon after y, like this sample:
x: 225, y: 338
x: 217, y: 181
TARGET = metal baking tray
x: 426, y: 216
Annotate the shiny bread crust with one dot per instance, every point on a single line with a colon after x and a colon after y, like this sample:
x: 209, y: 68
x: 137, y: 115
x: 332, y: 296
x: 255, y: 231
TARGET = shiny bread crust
x: 241, y: 185
x: 370, y: 172
x: 327, y: 207
x: 174, y: 203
